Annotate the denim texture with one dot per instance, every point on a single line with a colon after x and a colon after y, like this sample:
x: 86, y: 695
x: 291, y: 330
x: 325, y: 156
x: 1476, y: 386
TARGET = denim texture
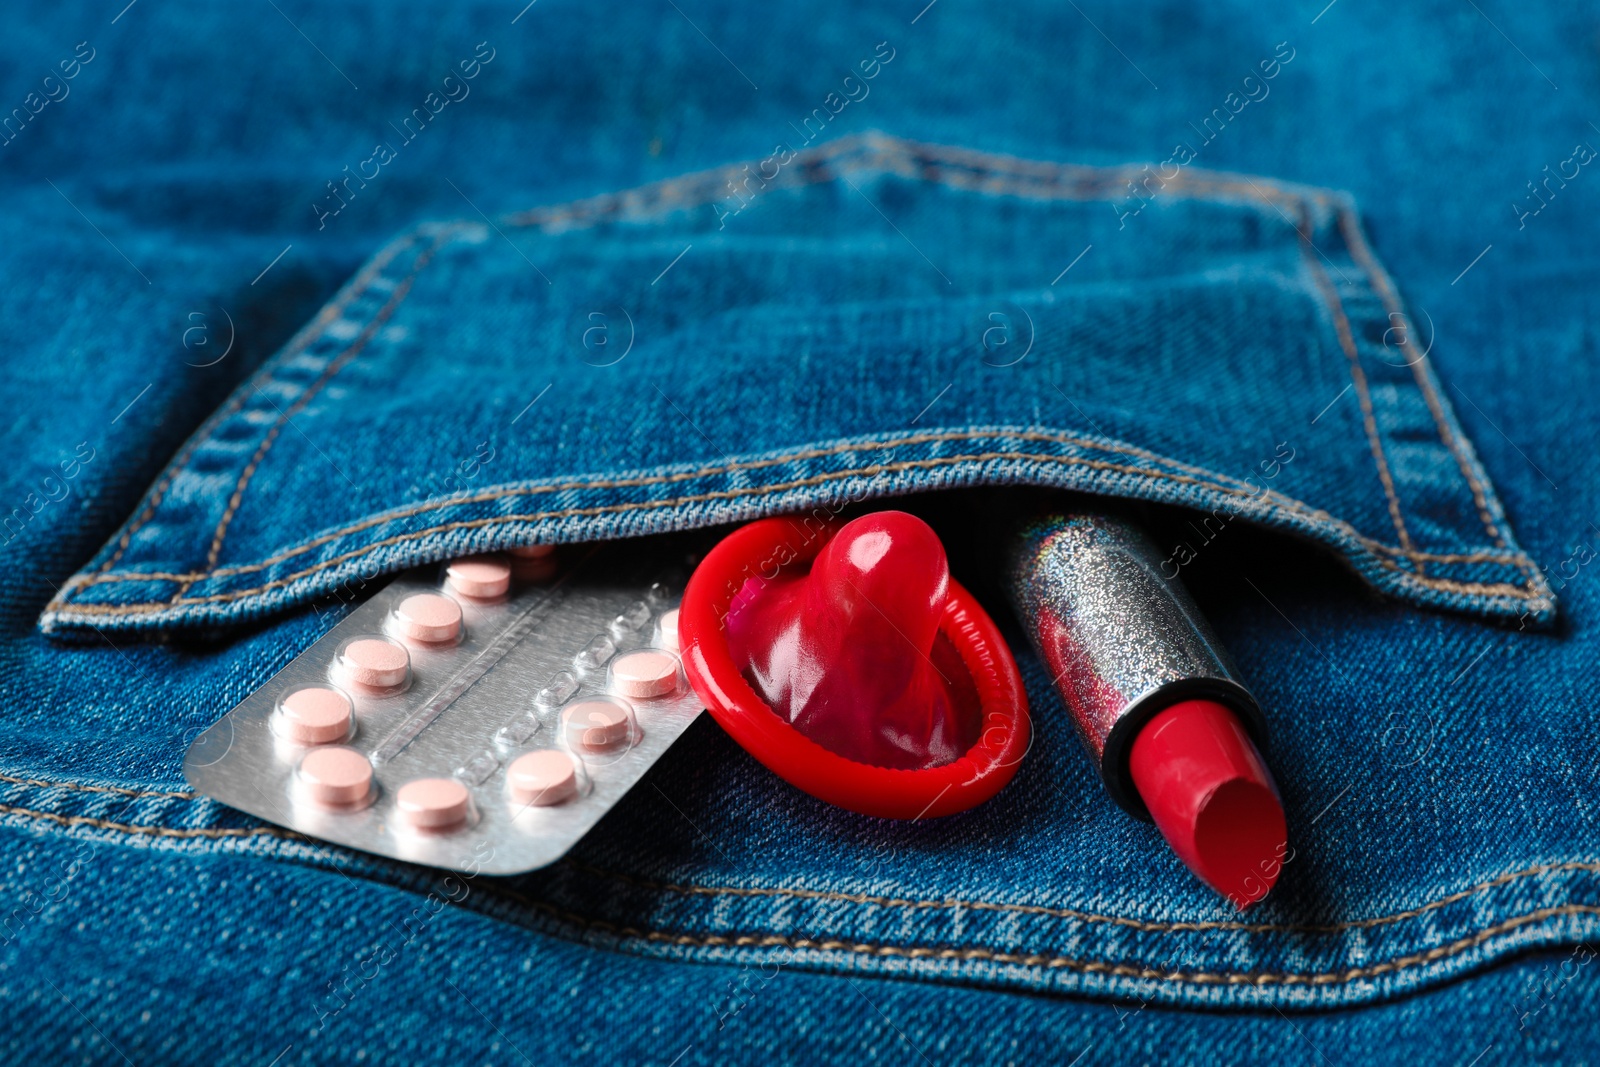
x: 1249, y: 334
x: 212, y: 450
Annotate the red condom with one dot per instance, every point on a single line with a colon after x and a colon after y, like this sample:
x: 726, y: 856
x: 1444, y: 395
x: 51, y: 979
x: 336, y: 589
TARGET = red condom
x: 849, y: 662
x: 847, y: 651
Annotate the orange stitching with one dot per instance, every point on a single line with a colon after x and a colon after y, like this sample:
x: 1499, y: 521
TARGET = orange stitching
x: 914, y: 952
x: 305, y: 336
x: 152, y: 831
x: 1355, y: 240
x: 888, y: 151
x: 80, y: 787
x: 1358, y: 378
x: 85, y: 580
x: 1476, y: 588
x: 1115, y: 970
x: 854, y: 898
x: 1063, y: 437
x: 1146, y: 926
x: 160, y: 491
x: 383, y: 314
x: 191, y: 576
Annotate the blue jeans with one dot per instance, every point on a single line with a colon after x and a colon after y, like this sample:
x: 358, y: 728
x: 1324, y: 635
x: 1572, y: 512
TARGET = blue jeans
x: 299, y: 297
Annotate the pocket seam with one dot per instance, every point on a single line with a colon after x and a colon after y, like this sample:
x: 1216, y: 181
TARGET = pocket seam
x: 1047, y: 962
x: 990, y: 174
x: 1144, y: 926
x: 1533, y: 594
x: 1217, y: 480
x: 130, y: 829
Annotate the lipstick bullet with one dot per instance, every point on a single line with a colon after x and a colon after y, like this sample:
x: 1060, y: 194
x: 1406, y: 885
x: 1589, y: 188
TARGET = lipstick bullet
x: 1159, y: 708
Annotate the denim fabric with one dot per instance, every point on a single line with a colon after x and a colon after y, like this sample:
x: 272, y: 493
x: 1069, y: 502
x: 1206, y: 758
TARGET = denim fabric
x: 632, y: 396
x: 1322, y: 345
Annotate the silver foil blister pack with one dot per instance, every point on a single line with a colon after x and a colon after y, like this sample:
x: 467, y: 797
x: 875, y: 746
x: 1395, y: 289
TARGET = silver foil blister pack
x: 477, y: 715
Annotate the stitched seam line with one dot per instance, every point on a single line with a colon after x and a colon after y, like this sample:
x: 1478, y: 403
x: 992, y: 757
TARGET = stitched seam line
x: 82, y: 787
x: 1476, y: 588
x: 160, y: 491
x: 897, y: 902
x: 806, y: 894
x: 151, y: 831
x: 312, y: 330
x: 1358, y: 377
x: 708, y: 471
x: 919, y: 161
x: 1232, y: 485
x: 1119, y: 970
x: 894, y: 150
x: 1356, y: 242
x: 383, y: 315
x: 711, y: 940
x: 190, y: 576
x: 1145, y: 926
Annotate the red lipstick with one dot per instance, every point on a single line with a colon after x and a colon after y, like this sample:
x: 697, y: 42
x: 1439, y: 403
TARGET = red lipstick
x: 1155, y: 700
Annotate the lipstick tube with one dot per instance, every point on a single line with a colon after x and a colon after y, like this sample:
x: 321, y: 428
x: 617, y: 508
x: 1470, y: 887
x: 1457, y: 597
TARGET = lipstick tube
x: 1159, y: 708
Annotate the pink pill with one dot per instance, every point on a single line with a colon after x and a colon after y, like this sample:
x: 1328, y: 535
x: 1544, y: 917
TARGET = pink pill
x: 480, y: 577
x: 428, y: 617
x: 669, y: 629
x: 596, y: 723
x: 644, y: 674
x: 375, y: 662
x: 543, y: 778
x: 314, y: 715
x: 432, y: 803
x: 336, y: 777
x: 532, y: 551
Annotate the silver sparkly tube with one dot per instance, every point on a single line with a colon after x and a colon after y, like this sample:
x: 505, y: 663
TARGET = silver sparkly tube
x: 1122, y: 641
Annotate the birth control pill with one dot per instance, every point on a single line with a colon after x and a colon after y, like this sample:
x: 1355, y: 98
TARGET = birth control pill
x: 597, y: 723
x: 314, y: 715
x: 429, y: 618
x: 645, y: 673
x: 336, y: 778
x: 532, y: 551
x: 480, y: 577
x: 543, y: 778
x: 375, y: 663
x: 669, y: 629
x: 433, y: 803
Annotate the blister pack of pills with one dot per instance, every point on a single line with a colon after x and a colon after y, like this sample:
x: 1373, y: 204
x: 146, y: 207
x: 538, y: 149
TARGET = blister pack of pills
x: 477, y: 715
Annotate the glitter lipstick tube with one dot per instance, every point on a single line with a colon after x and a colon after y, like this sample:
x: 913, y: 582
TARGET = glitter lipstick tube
x: 1160, y: 709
